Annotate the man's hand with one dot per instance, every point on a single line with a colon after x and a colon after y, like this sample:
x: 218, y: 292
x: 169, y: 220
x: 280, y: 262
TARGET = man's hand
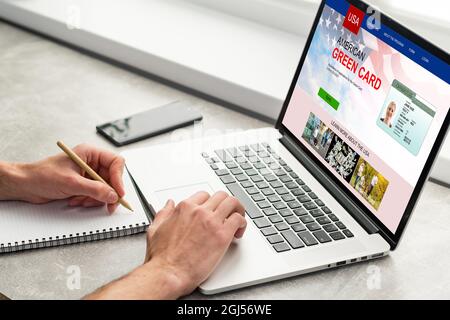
x: 58, y: 177
x: 190, y: 239
x: 184, y: 245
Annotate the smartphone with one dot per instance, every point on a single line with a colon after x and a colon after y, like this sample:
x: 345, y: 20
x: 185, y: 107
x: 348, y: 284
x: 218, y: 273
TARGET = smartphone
x: 149, y: 123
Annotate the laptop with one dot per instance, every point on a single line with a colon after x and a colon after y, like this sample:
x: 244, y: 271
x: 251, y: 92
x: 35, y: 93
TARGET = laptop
x: 336, y: 180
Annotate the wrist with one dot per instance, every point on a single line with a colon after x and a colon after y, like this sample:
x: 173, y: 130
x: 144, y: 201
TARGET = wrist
x: 166, y: 281
x: 12, y: 180
x: 151, y: 281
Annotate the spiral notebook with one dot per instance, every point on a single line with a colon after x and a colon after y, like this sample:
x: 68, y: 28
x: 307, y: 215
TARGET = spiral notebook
x: 26, y: 226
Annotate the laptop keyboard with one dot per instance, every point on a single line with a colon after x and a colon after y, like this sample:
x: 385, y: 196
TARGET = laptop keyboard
x: 288, y: 213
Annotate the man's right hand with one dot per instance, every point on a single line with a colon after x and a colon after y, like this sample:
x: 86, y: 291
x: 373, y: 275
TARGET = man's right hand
x: 184, y: 245
x: 189, y: 240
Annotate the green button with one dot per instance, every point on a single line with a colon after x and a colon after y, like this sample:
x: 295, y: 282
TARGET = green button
x: 328, y: 98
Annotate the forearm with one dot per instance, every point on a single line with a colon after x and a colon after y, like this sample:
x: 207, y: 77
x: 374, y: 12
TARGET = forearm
x: 149, y: 281
x: 12, y: 179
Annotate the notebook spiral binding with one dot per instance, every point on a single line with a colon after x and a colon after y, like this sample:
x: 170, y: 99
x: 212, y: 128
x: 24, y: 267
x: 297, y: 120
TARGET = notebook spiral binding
x: 72, y: 239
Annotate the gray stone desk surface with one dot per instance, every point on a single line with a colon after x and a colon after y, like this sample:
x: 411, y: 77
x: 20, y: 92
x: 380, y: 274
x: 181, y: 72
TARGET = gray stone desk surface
x: 49, y: 92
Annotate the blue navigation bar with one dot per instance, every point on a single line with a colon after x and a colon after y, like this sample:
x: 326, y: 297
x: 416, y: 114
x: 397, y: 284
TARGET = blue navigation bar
x: 416, y: 53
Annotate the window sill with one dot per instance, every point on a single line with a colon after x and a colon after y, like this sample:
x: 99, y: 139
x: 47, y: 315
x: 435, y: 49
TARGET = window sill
x: 240, y: 62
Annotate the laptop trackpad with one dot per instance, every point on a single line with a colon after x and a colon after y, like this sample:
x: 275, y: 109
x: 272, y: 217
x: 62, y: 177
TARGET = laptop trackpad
x: 180, y: 193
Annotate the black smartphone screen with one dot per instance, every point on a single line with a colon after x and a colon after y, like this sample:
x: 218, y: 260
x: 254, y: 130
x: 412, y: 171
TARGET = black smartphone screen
x: 149, y: 123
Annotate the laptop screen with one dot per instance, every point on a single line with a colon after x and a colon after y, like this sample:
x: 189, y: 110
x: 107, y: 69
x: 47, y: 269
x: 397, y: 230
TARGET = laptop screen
x: 369, y: 104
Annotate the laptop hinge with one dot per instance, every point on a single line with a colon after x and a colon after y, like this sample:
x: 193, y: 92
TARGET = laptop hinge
x: 330, y: 185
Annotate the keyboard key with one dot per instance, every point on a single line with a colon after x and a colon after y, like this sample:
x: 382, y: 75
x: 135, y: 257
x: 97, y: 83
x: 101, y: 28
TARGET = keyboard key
x: 286, y: 179
x: 276, y: 238
x: 285, y: 212
x: 215, y: 159
x: 221, y: 172
x: 326, y: 210
x: 246, y: 166
x: 310, y: 205
x: 313, y: 226
x: 292, y: 220
x: 298, y: 227
x: 287, y: 197
x: 279, y: 172
x: 227, y: 179
x: 303, y: 198
x: 214, y: 166
x: 307, y: 219
x: 253, y: 159
x: 209, y: 161
x: 270, y: 211
x: 247, y: 184
x: 241, y: 160
x: 282, y: 162
x: 223, y: 155
x: 287, y: 168
x: 294, y: 204
x: 256, y: 178
x: 259, y: 165
x: 300, y: 212
x: 281, y: 226
x: 337, y: 235
x: 300, y: 182
x: 258, y: 197
x: 262, y: 185
x: 330, y: 228
x: 340, y: 225
x: 281, y: 190
x: 270, y: 178
x: 333, y: 217
x: 276, y: 184
x: 273, y: 165
x: 275, y: 219
x: 273, y: 198
x: 307, y: 238
x: 320, y: 203
x: 250, y: 208
x: 297, y: 192
x: 279, y: 205
x: 244, y: 148
x: 263, y: 154
x: 281, y: 247
x: 306, y: 188
x: 292, y: 239
x: 265, y: 171
x: 267, y: 191
x: 231, y: 165
x: 262, y: 222
x: 264, y: 204
x: 323, y: 220
x: 241, y: 177
x: 316, y: 213
x: 348, y: 233
x: 291, y: 185
x: 312, y: 195
x: 236, y: 171
x: 293, y: 175
x: 252, y: 190
x: 205, y: 155
x: 269, y: 231
x: 322, y: 236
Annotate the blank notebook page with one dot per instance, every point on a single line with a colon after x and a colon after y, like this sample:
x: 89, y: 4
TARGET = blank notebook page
x: 21, y: 222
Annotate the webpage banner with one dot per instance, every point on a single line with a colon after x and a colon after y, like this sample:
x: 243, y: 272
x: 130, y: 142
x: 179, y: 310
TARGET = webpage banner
x: 368, y: 112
